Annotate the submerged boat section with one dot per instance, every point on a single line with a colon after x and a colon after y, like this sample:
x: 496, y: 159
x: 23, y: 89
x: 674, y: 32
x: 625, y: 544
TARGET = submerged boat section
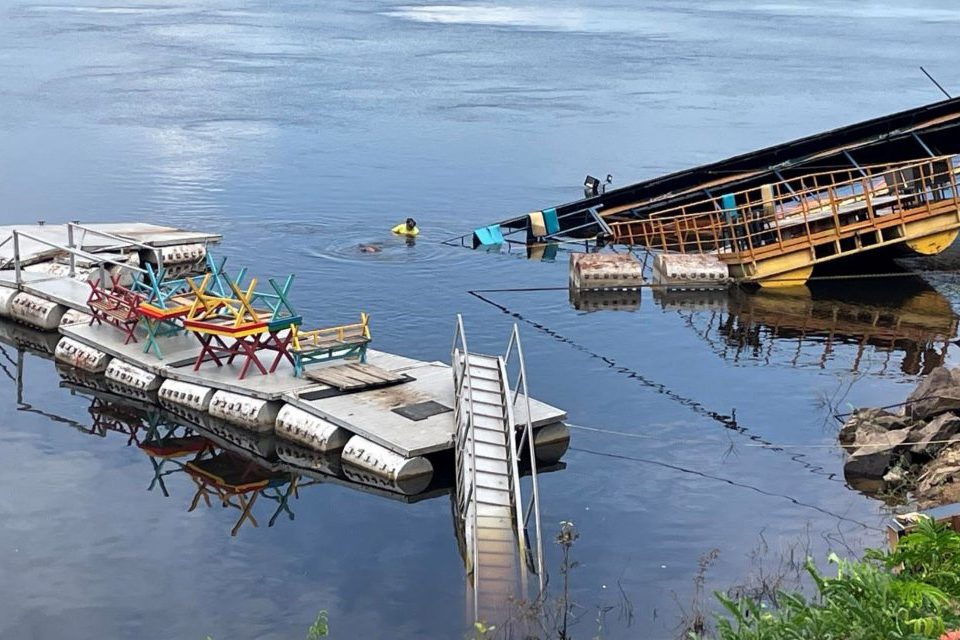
x: 772, y: 215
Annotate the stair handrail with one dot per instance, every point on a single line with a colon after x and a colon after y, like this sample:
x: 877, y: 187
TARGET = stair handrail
x: 510, y: 433
x: 462, y: 360
x: 521, y: 385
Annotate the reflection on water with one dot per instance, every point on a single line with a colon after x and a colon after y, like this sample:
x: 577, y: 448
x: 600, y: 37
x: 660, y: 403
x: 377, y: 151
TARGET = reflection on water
x: 585, y: 300
x: 257, y: 477
x: 228, y: 465
x: 220, y: 457
x: 910, y: 323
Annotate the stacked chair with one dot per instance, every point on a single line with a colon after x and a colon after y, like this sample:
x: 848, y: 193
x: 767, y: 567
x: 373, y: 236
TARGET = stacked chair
x: 231, y: 319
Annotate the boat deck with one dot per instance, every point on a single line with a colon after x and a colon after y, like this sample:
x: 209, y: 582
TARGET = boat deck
x: 776, y: 234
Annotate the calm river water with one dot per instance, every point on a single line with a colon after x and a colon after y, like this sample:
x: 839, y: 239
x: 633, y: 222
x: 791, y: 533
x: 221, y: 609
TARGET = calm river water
x: 300, y: 129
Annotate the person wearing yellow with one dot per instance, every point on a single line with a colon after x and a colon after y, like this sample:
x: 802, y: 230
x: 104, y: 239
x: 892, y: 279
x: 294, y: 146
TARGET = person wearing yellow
x: 408, y: 228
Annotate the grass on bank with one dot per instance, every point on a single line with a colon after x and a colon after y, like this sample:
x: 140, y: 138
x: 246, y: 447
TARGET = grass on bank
x: 910, y: 593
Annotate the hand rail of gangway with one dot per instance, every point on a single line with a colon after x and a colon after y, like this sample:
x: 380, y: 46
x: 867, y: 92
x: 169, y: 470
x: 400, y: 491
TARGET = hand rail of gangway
x: 521, y: 385
x: 514, y: 471
x: 73, y: 251
x: 460, y: 340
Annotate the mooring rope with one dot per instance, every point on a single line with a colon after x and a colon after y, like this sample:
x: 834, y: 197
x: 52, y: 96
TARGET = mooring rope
x: 727, y: 421
x: 734, y: 483
x: 757, y: 445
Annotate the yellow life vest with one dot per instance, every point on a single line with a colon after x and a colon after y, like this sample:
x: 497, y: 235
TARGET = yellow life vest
x: 401, y: 229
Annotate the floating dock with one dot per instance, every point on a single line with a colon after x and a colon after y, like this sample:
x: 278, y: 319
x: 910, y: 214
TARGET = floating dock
x: 261, y: 467
x: 388, y: 418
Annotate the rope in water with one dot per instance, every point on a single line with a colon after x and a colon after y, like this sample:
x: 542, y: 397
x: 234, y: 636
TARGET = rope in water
x: 774, y: 447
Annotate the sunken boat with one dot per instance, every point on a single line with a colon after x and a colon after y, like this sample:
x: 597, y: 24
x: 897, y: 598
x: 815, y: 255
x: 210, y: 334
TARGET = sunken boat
x: 770, y: 216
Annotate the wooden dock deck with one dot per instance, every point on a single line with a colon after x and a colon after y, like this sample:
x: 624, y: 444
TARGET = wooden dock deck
x: 373, y: 414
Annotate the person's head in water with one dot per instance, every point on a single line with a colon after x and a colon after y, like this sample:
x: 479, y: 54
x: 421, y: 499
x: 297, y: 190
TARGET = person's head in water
x: 411, y: 224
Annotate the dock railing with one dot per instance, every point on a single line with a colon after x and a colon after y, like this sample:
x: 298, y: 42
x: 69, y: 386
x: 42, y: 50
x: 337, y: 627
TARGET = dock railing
x: 465, y: 482
x: 74, y: 252
x: 124, y: 242
x: 514, y: 352
x: 803, y: 211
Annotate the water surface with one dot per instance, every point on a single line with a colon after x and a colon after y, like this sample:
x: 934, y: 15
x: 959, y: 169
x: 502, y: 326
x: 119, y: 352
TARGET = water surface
x: 299, y: 131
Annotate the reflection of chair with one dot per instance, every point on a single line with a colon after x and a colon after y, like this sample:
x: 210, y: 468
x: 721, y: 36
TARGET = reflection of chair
x: 109, y: 416
x: 281, y: 493
x: 169, y: 452
x: 331, y: 343
x: 164, y: 447
x: 237, y: 482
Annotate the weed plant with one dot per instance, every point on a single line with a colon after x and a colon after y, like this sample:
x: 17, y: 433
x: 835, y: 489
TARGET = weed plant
x: 909, y: 593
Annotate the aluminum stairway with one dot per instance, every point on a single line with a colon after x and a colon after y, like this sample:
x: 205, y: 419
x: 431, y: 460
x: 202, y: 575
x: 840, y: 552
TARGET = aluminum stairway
x: 489, y: 501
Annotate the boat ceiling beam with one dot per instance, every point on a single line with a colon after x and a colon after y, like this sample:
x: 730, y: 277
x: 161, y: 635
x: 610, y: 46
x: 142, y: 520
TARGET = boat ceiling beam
x: 854, y: 163
x: 923, y: 144
x: 783, y: 180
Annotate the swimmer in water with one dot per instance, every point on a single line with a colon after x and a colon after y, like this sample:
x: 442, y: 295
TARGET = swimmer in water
x: 408, y: 228
x: 369, y: 248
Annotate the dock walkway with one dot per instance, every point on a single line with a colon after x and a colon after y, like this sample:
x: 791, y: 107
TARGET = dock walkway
x: 370, y: 413
x: 411, y: 418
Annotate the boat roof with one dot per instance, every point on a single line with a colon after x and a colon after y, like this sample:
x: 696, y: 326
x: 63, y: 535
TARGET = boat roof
x: 788, y: 154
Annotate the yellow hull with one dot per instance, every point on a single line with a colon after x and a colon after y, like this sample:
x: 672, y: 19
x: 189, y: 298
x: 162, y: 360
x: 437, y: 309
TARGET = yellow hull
x: 788, y: 270
x: 932, y: 244
x: 923, y: 237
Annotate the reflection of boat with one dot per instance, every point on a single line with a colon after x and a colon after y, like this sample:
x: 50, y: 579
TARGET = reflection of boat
x: 912, y: 319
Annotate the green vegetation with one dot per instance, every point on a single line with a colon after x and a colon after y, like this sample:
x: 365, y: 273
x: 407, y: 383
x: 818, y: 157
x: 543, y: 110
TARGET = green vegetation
x: 319, y: 628
x: 910, y: 593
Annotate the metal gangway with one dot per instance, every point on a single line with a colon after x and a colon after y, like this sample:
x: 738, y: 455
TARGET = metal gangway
x: 490, y: 441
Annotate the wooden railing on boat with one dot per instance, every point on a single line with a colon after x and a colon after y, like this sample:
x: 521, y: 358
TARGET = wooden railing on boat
x: 824, y: 215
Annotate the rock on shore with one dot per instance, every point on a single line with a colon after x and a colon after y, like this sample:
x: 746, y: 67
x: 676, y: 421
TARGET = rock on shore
x: 915, y: 450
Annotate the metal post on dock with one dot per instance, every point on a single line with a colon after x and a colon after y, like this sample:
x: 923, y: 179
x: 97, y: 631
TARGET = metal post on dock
x: 16, y: 257
x: 73, y: 256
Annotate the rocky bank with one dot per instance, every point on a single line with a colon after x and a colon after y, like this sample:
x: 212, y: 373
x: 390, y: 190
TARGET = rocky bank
x: 912, y: 452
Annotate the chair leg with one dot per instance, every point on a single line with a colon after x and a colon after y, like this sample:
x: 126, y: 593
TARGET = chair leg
x: 129, y: 329
x: 250, y: 351
x: 282, y: 347
x: 205, y: 350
